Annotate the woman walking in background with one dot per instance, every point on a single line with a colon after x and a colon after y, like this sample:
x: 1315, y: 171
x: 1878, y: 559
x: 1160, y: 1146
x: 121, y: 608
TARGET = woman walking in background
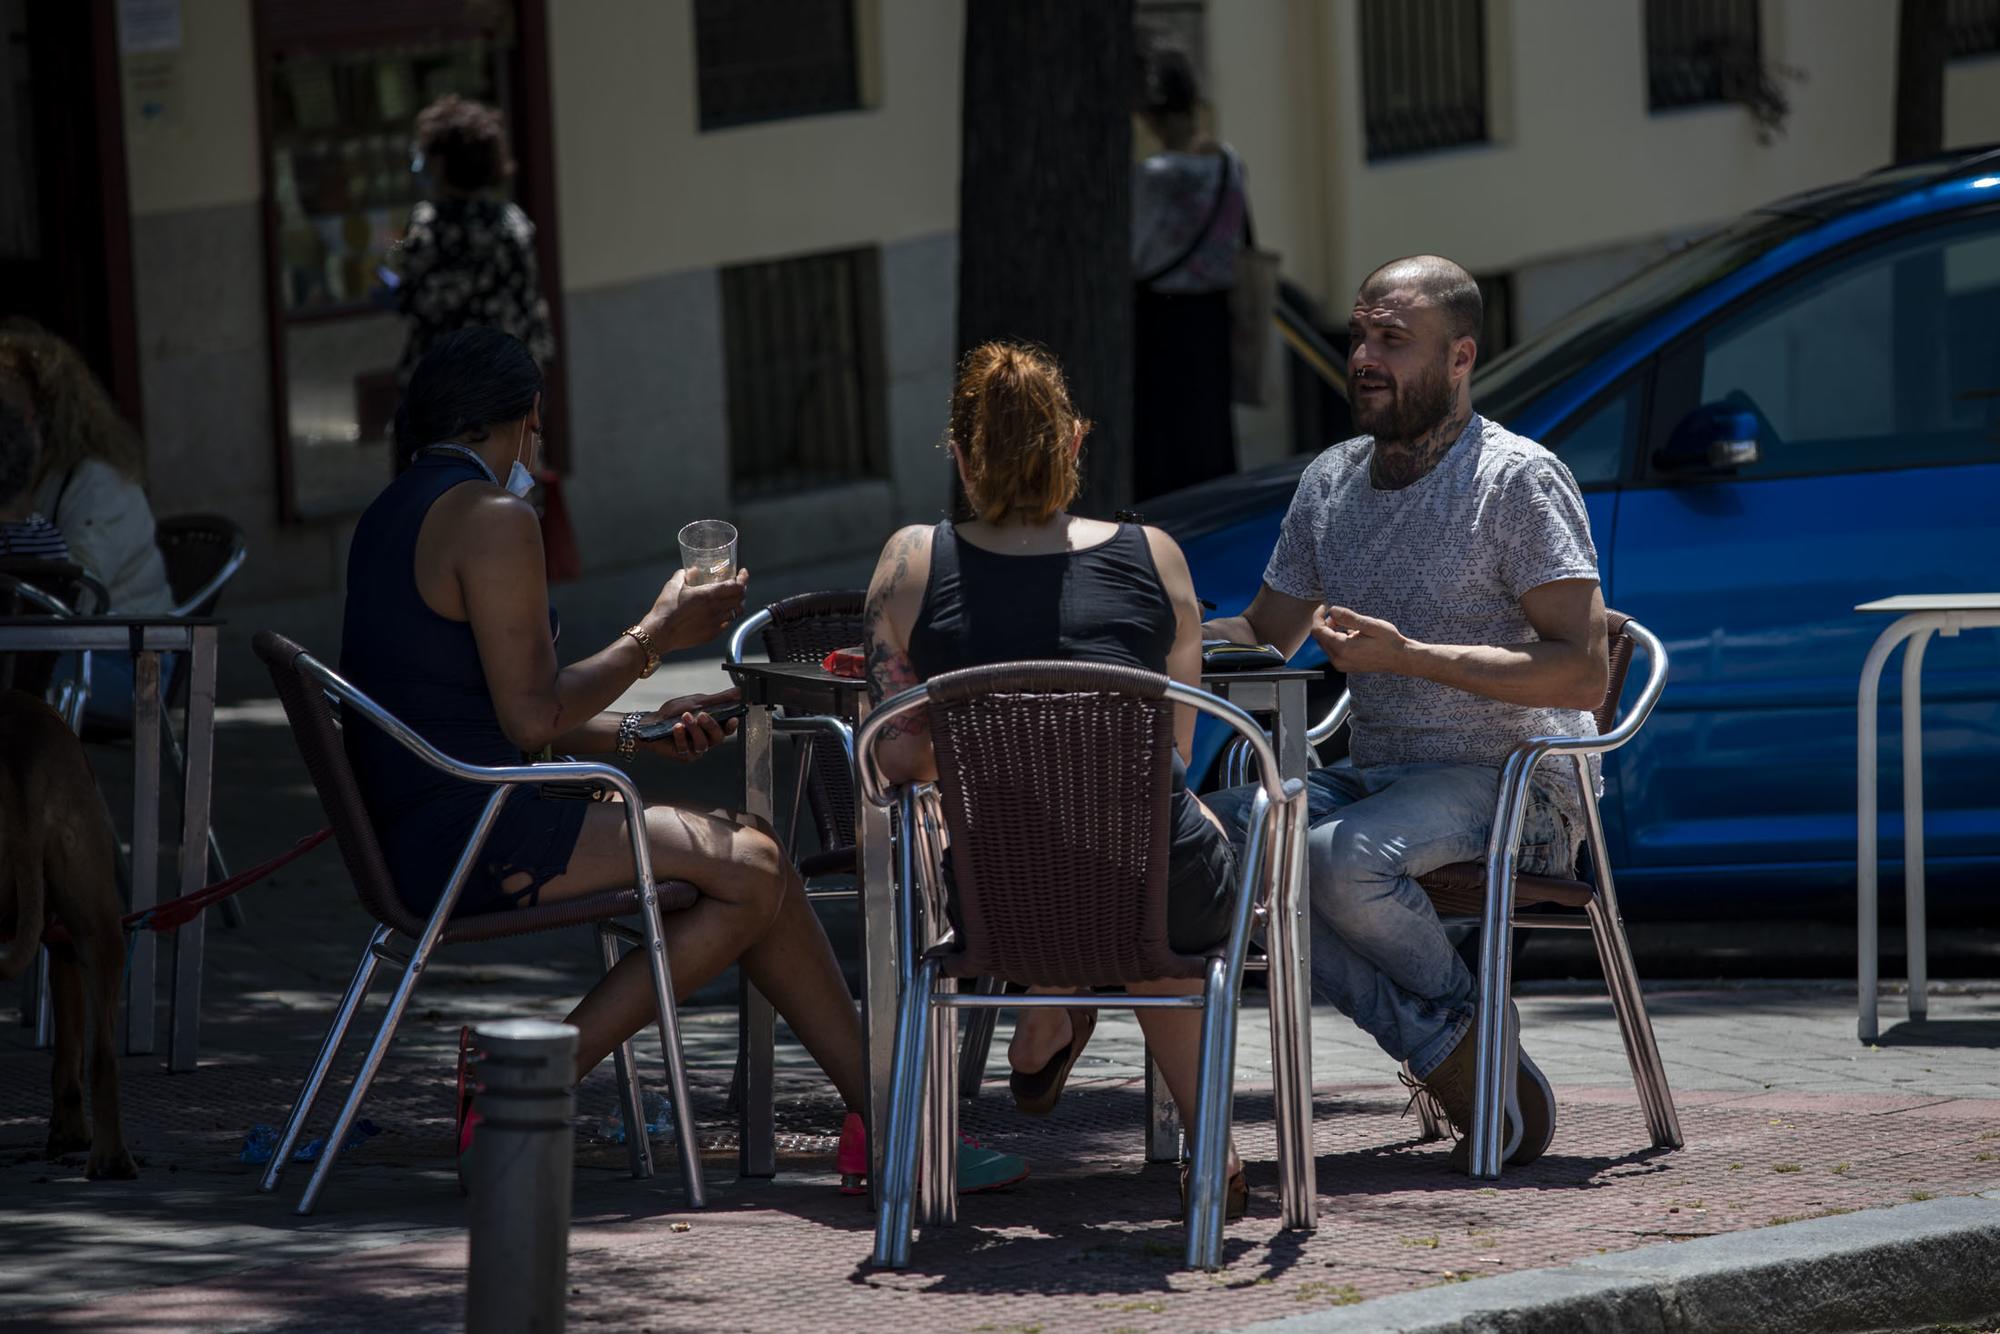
x: 468, y: 254
x: 1188, y: 211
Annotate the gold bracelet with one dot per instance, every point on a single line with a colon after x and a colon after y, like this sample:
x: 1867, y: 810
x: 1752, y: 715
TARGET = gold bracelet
x: 645, y: 643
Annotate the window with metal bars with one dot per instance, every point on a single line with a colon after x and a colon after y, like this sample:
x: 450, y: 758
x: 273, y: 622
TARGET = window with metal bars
x: 1701, y: 51
x: 1423, y: 74
x: 759, y: 60
x: 1971, y: 28
x: 802, y: 342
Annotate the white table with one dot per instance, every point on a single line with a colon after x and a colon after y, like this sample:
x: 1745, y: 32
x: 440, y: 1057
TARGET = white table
x: 146, y: 638
x: 1918, y: 617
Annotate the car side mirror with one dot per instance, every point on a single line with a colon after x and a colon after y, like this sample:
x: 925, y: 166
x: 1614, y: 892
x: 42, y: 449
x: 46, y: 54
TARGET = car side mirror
x: 1714, y: 438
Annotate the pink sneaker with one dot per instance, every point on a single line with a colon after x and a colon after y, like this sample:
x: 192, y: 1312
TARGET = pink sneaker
x: 852, y: 1160
x: 467, y: 1118
x: 979, y: 1168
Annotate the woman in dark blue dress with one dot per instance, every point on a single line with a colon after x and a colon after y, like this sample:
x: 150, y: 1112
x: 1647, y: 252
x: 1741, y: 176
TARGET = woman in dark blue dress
x: 448, y: 626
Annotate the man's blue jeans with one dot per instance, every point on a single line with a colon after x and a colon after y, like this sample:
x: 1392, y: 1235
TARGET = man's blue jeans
x: 1379, y: 952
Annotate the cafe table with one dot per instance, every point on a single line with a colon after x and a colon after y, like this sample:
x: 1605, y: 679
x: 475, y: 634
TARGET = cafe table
x: 803, y: 698
x: 145, y: 638
x: 1918, y: 617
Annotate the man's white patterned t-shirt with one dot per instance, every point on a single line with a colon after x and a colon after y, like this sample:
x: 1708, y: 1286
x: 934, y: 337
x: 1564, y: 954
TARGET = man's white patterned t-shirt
x: 1445, y: 560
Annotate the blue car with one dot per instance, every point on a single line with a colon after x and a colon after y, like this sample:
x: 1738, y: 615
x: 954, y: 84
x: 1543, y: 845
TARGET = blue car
x: 1853, y: 334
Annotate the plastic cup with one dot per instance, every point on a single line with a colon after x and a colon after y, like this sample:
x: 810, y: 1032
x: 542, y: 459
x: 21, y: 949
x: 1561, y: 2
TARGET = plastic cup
x: 708, y: 551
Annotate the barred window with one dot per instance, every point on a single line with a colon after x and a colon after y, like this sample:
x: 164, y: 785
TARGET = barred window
x: 759, y: 60
x: 1972, y: 28
x: 1424, y: 74
x: 1701, y: 51
x: 802, y: 342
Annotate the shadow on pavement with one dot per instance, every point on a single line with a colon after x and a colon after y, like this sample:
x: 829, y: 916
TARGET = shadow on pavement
x: 1942, y: 1033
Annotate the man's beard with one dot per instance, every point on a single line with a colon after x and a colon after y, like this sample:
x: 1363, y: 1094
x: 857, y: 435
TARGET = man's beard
x: 1413, y: 408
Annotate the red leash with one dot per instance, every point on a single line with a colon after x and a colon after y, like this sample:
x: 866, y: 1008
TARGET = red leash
x: 175, y: 913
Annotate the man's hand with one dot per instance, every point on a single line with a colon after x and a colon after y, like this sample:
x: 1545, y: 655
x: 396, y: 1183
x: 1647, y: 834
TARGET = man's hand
x: 1235, y: 629
x: 1271, y: 618
x: 1356, y: 643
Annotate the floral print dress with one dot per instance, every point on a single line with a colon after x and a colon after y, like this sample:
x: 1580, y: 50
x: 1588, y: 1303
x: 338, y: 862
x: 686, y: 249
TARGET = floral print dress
x: 470, y: 262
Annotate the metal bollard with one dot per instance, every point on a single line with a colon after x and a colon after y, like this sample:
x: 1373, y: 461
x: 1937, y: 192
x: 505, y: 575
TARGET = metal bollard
x: 517, y: 1273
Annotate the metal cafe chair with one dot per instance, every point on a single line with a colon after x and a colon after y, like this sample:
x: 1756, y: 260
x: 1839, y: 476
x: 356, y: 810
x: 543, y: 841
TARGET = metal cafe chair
x: 804, y: 628
x: 202, y: 553
x: 308, y: 690
x: 1478, y: 894
x: 1054, y: 780
x: 35, y: 587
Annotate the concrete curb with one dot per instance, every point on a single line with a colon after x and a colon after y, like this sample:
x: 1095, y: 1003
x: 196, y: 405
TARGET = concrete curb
x: 1878, y: 1269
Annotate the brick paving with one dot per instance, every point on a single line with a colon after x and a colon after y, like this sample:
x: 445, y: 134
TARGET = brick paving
x: 1089, y: 1241
x: 1785, y: 1116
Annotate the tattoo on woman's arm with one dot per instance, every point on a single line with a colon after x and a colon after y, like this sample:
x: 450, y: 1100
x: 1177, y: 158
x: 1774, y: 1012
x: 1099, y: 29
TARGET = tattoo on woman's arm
x: 888, y: 667
x: 890, y: 673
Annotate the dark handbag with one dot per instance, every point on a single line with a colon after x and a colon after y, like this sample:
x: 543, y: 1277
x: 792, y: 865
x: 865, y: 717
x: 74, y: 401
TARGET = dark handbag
x: 568, y: 789
x: 1201, y: 232
x: 1223, y: 655
x: 1253, y: 305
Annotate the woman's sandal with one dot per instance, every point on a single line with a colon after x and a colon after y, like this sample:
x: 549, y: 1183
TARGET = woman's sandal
x: 979, y: 1168
x: 1235, y: 1197
x: 466, y: 1117
x: 1037, y: 1094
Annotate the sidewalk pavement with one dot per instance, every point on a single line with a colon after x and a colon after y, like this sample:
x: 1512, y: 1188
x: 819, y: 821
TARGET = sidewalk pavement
x: 1785, y: 1116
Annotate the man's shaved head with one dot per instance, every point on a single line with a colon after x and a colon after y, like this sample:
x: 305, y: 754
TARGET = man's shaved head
x: 1439, y: 282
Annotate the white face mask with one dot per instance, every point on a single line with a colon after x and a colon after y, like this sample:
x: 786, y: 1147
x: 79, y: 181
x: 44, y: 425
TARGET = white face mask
x: 519, y: 480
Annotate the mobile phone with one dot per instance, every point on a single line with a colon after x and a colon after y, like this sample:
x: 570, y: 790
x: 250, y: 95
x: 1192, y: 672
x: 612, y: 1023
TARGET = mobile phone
x: 664, y: 727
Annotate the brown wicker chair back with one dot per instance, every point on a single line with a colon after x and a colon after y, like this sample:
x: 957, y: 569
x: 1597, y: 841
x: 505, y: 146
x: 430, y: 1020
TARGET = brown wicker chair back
x: 805, y: 629
x: 196, y: 548
x: 1055, y: 780
x: 1621, y: 665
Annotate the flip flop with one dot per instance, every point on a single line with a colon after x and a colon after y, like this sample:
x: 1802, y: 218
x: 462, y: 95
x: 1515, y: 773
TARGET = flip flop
x: 1037, y: 1094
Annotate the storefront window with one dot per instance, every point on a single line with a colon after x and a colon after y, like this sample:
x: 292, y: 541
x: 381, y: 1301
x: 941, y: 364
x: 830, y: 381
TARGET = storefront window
x: 342, y: 166
x: 342, y: 88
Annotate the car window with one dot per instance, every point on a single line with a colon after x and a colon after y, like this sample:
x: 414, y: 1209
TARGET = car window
x: 1885, y: 359
x: 1596, y: 442
x: 1524, y: 372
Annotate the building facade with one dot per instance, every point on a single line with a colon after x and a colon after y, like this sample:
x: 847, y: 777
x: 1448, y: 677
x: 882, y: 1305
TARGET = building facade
x: 749, y: 223
x: 1553, y: 147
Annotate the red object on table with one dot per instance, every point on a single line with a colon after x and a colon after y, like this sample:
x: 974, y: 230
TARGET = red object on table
x: 847, y: 662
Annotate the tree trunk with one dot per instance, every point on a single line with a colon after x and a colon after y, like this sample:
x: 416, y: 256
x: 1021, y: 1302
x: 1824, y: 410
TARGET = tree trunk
x: 1920, y: 48
x: 1044, y: 234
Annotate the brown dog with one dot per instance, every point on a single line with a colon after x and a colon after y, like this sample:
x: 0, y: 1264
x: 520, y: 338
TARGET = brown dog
x: 57, y: 861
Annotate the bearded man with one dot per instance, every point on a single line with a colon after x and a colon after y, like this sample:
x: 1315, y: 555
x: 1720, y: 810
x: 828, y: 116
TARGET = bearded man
x: 1445, y: 565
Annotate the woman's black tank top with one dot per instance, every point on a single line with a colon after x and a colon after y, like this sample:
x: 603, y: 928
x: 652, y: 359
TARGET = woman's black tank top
x: 1102, y: 604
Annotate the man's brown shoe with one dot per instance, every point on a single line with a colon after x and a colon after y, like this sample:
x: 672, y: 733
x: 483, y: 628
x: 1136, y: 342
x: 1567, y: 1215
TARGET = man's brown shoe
x: 1530, y: 1113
